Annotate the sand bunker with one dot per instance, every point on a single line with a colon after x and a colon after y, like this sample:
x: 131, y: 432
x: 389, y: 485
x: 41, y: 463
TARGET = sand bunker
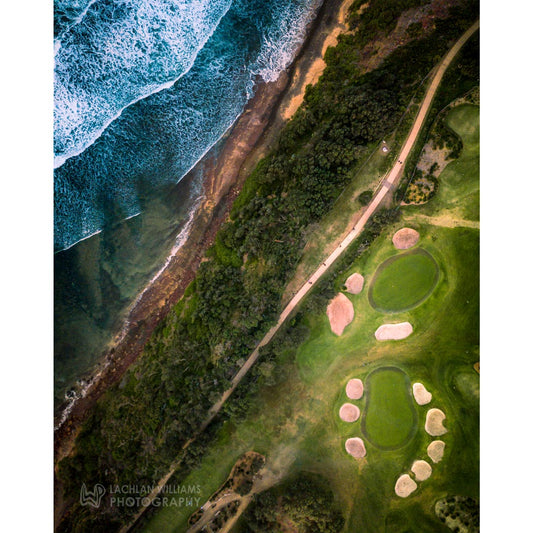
x: 355, y: 447
x: 354, y: 284
x: 394, y: 332
x: 354, y: 389
x: 434, y: 424
x: 349, y: 412
x: 422, y: 396
x: 404, y: 486
x: 421, y: 469
x: 405, y: 238
x: 436, y: 450
x: 340, y: 313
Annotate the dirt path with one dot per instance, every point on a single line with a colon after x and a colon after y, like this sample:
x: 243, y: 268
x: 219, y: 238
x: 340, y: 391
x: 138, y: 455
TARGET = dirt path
x: 444, y: 221
x: 390, y: 180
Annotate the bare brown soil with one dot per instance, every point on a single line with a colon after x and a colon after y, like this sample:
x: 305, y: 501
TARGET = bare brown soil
x: 405, y: 238
x: 340, y: 313
x: 354, y: 389
x: 228, y: 497
x: 432, y: 155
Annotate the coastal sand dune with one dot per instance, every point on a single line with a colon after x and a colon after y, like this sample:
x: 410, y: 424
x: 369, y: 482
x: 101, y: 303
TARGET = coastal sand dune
x: 349, y: 412
x: 434, y: 425
x: 405, y: 238
x: 355, y: 447
x: 340, y: 313
x: 436, y: 450
x: 354, y: 389
x: 404, y: 486
x: 394, y: 332
x: 421, y: 394
x: 354, y: 284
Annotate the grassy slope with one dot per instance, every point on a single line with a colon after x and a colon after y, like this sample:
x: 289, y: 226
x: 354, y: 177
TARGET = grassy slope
x: 295, y: 422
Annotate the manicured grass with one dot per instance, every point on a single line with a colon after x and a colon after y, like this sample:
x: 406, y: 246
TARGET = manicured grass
x: 389, y: 419
x: 295, y: 422
x: 403, y: 281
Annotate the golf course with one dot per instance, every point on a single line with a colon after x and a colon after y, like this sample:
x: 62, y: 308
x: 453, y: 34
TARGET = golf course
x: 293, y: 419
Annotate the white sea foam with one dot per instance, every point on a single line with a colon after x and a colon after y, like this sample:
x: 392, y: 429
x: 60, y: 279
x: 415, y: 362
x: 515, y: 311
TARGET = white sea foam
x: 79, y: 7
x: 282, y: 41
x: 105, y: 65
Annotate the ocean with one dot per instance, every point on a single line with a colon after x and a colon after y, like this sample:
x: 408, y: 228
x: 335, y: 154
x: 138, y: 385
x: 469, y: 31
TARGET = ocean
x: 143, y: 89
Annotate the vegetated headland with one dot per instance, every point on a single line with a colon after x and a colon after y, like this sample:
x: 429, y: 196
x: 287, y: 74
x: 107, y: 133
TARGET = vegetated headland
x: 199, y: 342
x: 225, y: 168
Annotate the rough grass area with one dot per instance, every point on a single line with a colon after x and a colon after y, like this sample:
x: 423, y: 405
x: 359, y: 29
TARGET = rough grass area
x: 403, y: 281
x: 458, y: 196
x: 390, y: 417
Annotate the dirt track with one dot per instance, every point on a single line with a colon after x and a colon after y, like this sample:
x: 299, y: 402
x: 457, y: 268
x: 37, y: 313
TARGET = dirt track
x: 389, y: 181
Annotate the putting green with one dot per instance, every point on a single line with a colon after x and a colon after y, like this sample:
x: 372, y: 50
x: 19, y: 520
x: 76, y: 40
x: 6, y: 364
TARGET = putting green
x: 403, y: 281
x: 389, y: 419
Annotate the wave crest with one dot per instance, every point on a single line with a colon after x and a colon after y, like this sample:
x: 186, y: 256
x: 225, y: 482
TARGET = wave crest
x: 282, y: 40
x: 121, y: 52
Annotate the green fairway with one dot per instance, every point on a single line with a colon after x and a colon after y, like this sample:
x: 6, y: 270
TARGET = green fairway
x: 403, y: 281
x: 389, y: 420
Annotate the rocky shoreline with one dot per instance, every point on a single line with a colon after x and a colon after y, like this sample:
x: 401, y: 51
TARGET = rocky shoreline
x: 225, y: 168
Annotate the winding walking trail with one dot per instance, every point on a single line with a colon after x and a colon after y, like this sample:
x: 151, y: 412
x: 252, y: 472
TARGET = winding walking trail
x: 390, y: 180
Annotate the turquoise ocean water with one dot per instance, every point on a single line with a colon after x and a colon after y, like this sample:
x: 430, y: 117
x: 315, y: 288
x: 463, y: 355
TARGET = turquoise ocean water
x: 142, y: 90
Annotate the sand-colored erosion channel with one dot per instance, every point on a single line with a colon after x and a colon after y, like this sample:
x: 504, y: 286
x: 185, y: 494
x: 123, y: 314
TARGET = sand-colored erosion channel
x: 388, y: 182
